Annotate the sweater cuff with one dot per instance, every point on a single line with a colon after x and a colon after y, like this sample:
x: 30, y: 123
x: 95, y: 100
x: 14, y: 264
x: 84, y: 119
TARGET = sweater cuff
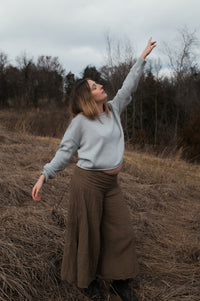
x: 46, y: 176
x: 141, y: 60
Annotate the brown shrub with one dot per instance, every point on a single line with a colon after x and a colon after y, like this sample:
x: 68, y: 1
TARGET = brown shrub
x: 190, y: 140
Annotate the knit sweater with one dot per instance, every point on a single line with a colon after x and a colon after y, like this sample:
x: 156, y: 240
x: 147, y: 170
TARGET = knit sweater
x: 100, y: 146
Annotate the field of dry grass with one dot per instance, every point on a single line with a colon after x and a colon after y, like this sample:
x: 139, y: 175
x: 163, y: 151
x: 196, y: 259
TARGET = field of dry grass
x: 161, y: 193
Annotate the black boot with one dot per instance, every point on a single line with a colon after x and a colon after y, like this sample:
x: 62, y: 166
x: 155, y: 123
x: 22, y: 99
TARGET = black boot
x: 122, y: 288
x: 94, y: 291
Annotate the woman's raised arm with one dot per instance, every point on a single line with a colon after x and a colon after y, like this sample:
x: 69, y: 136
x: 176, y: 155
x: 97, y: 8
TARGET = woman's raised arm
x: 123, y: 96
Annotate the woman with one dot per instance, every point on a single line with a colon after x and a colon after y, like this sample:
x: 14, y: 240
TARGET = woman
x: 99, y: 238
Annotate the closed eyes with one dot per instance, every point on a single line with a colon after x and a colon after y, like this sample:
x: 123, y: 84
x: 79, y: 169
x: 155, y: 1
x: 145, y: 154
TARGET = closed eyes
x: 94, y: 86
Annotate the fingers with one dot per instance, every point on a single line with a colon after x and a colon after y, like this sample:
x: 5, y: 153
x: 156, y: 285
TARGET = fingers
x: 153, y: 46
x: 35, y: 193
x: 150, y: 43
x: 148, y: 48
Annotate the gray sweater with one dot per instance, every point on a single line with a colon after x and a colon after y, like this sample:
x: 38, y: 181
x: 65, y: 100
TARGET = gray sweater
x: 100, y: 146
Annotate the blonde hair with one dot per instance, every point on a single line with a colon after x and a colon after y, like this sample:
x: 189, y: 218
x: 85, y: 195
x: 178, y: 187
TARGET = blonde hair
x: 82, y: 102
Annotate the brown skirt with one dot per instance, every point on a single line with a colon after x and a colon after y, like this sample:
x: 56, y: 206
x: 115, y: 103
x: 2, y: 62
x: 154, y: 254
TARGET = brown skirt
x: 99, y: 236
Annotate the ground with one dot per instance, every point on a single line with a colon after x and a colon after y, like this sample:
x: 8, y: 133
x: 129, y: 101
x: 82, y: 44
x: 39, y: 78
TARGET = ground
x: 162, y: 194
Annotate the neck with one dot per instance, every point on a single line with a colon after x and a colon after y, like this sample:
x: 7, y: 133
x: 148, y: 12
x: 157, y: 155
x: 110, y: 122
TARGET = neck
x: 100, y: 108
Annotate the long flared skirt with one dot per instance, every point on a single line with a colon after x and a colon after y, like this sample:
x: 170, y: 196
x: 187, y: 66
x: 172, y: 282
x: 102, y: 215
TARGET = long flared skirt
x: 99, y: 236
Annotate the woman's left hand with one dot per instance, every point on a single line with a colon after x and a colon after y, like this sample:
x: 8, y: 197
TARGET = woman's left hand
x: 148, y: 49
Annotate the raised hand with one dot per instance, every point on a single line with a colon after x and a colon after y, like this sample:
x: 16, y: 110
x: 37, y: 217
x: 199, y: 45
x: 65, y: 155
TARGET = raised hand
x: 149, y: 48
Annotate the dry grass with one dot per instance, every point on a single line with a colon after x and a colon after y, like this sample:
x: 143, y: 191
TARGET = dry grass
x: 44, y: 122
x: 163, y: 197
x: 164, y: 200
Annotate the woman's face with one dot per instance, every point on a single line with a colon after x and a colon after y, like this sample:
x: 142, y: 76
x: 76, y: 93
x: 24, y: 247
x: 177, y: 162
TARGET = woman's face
x: 97, y: 91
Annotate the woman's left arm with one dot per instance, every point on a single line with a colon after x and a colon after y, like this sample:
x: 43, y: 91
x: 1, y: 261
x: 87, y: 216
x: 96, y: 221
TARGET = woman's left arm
x: 123, y: 96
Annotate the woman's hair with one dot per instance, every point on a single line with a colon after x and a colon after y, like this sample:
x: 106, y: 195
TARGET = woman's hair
x: 81, y: 101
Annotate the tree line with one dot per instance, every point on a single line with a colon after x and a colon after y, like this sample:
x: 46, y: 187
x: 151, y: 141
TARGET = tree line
x: 30, y: 84
x: 165, y: 110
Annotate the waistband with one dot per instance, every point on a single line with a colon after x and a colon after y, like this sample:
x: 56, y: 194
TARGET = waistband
x: 95, y: 178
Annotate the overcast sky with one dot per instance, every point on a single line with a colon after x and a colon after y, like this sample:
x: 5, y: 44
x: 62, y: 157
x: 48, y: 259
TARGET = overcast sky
x: 74, y: 30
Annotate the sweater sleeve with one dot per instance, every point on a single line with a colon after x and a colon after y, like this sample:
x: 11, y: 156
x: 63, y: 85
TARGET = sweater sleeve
x: 123, y: 96
x: 68, y: 146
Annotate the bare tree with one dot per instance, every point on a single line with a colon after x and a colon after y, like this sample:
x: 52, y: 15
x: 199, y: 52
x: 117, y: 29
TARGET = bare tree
x: 181, y: 54
x: 118, y: 51
x: 3, y: 61
x: 182, y: 61
x: 3, y: 80
x: 51, y: 78
x: 157, y: 67
x: 25, y: 65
